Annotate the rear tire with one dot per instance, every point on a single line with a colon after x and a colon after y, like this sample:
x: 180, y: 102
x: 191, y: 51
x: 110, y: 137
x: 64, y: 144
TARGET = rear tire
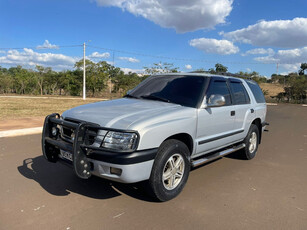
x: 170, y: 170
x: 251, y: 143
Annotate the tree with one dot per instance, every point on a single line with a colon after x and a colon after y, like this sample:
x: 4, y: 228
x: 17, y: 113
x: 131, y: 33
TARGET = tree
x: 253, y: 75
x: 71, y: 82
x: 201, y: 70
x: 6, y: 82
x: 161, y: 68
x: 124, y: 82
x: 219, y: 68
x: 41, y: 76
x: 96, y: 74
x: 23, y: 80
x: 303, y: 68
x: 296, y: 88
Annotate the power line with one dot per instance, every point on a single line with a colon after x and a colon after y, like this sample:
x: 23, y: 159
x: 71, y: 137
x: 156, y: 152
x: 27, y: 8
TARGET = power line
x: 39, y: 48
x: 179, y: 59
x: 150, y: 55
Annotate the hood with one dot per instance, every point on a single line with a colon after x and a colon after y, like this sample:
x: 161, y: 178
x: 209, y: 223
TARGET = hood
x: 120, y: 113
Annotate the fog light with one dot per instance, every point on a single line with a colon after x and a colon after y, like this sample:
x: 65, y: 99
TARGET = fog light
x: 116, y: 171
x: 54, y: 131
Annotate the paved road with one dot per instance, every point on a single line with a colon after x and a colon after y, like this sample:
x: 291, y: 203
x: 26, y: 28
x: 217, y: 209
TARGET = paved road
x: 268, y: 192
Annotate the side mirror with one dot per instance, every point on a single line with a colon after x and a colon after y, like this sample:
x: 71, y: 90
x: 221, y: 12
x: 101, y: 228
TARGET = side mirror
x: 216, y: 100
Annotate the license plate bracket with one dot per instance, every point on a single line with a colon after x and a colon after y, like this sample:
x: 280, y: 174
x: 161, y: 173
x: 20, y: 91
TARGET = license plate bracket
x: 66, y: 155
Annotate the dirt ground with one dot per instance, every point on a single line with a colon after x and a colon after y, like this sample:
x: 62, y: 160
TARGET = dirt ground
x: 268, y: 192
x: 21, y: 123
x: 272, y: 89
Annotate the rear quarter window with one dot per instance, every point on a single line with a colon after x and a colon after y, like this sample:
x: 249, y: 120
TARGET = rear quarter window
x: 239, y: 93
x: 256, y: 90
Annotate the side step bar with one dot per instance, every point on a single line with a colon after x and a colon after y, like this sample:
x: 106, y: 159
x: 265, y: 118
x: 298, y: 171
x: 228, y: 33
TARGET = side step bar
x: 225, y: 152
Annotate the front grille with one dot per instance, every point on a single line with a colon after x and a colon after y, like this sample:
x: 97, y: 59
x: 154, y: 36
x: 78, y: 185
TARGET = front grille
x: 68, y: 133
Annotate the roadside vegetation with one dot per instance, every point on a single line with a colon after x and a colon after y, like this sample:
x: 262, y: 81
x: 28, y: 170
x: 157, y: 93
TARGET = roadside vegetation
x: 104, y: 80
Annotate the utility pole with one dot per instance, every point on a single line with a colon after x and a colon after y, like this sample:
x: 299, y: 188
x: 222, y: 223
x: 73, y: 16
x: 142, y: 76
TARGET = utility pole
x: 84, y: 81
x: 277, y: 68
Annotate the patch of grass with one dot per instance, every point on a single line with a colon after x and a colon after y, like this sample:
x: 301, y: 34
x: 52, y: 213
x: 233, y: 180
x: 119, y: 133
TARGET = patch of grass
x: 18, y: 107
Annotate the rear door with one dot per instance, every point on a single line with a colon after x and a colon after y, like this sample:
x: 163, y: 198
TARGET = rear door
x: 242, y: 106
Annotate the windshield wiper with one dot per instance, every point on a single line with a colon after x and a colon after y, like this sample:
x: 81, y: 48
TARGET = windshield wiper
x: 157, y: 98
x: 131, y: 96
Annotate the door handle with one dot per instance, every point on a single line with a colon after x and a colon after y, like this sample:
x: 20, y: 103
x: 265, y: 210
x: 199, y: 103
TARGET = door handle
x: 232, y: 113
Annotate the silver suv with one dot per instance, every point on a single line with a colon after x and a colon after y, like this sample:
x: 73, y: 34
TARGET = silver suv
x: 159, y: 130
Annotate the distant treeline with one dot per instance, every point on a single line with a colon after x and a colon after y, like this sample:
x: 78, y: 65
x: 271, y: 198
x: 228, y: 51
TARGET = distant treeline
x: 45, y: 81
x: 102, y: 76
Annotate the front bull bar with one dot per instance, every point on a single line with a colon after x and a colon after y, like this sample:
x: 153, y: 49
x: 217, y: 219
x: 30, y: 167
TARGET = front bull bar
x: 51, y: 145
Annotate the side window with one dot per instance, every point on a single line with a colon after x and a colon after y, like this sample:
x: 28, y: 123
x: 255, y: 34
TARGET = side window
x: 219, y: 87
x: 239, y: 93
x: 256, y: 91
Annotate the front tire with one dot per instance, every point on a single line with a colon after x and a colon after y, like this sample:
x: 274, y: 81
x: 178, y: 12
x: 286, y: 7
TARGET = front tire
x: 170, y: 170
x: 251, y: 143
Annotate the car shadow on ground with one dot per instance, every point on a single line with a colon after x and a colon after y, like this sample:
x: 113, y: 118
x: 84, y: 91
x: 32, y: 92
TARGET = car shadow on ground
x: 60, y: 180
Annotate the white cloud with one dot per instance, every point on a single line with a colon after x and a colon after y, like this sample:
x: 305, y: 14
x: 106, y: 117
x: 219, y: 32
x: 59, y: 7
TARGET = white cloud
x: 260, y: 51
x: 188, y: 66
x: 183, y: 15
x: 291, y: 67
x: 47, y: 45
x: 2, y: 52
x: 30, y: 58
x: 127, y: 70
x: 129, y: 59
x: 209, y: 45
x: 248, y: 70
x: 288, y: 59
x: 279, y: 33
x: 99, y: 55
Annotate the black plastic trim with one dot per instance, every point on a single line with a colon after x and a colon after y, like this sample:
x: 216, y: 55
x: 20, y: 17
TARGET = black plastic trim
x: 220, y: 137
x: 108, y: 156
x: 203, y: 94
x: 123, y: 158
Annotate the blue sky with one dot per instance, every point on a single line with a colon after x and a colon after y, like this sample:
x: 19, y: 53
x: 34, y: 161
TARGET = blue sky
x: 242, y: 35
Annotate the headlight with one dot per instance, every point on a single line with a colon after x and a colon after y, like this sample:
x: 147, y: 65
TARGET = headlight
x: 120, y: 141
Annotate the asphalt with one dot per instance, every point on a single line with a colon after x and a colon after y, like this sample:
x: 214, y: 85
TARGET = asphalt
x: 268, y: 192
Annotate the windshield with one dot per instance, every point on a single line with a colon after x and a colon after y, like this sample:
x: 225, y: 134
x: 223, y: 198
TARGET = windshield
x: 182, y: 90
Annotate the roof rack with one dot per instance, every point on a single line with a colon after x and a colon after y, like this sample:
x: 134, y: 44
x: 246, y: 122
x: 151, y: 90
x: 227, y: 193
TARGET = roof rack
x: 224, y: 74
x: 234, y: 75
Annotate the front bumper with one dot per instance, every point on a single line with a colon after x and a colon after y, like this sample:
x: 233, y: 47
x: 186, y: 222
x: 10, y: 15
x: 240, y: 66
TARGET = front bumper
x: 89, y: 160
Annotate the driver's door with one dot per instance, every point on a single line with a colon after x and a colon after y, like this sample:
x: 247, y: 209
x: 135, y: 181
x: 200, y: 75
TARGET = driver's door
x: 215, y: 124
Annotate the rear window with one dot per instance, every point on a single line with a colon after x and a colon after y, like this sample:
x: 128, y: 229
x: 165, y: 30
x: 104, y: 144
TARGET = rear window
x: 256, y: 91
